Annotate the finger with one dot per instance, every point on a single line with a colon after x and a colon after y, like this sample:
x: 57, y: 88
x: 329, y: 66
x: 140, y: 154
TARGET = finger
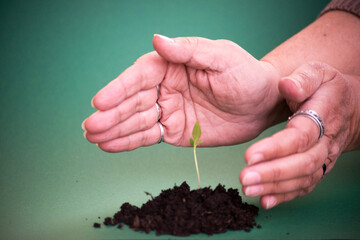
x: 293, y: 166
x: 196, y: 52
x: 147, y: 72
x: 136, y: 123
x: 283, y: 186
x: 305, y: 81
x: 300, y: 134
x: 329, y: 166
x: 133, y: 141
x: 274, y: 194
x: 270, y: 201
x: 101, y: 121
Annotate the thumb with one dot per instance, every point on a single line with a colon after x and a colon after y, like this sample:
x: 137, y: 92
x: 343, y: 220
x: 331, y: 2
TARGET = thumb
x: 196, y: 52
x: 305, y: 81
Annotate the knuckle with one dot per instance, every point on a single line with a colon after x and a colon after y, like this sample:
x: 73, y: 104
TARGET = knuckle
x: 227, y: 43
x: 286, y: 197
x: 302, y: 192
x: 305, y: 76
x: 138, y: 120
x: 276, y: 173
x: 309, y: 72
x: 306, y: 191
x: 274, y: 187
x: 334, y: 152
x: 192, y: 44
x: 138, y: 102
x: 324, y: 70
x: 305, y: 138
x: 276, y: 148
x: 309, y: 181
x: 310, y: 165
x: 283, y: 197
x: 129, y: 143
x: 316, y: 65
x: 332, y: 74
x: 119, y: 113
x: 294, y: 106
x: 143, y: 120
x: 143, y: 138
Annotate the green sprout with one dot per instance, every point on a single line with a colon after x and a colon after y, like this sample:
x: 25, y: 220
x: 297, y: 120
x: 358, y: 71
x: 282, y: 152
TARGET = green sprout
x: 194, y: 142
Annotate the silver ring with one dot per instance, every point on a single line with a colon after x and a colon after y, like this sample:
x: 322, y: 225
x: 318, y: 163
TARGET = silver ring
x: 158, y: 90
x: 161, y: 132
x: 313, y: 116
x: 159, y: 111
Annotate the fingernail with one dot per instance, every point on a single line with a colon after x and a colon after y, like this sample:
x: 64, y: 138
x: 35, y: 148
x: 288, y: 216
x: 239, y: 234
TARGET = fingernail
x: 254, y: 191
x: 83, y: 125
x: 257, y: 157
x: 84, y: 134
x: 92, y: 103
x: 251, y: 178
x: 164, y: 37
x: 271, y: 202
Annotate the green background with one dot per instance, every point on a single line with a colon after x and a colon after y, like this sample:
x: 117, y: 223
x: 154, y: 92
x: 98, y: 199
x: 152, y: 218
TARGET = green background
x: 55, y: 55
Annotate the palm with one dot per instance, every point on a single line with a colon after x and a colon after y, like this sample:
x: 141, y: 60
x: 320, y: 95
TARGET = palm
x: 232, y: 106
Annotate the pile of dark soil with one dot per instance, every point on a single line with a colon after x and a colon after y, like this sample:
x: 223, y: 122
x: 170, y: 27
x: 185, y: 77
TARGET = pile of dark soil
x: 181, y: 212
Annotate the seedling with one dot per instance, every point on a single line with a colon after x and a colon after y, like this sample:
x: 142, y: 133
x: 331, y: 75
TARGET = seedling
x: 196, y: 133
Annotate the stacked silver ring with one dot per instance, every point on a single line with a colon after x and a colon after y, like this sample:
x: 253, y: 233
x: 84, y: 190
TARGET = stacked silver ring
x: 158, y: 108
x: 319, y: 122
x: 161, y: 132
x: 313, y: 116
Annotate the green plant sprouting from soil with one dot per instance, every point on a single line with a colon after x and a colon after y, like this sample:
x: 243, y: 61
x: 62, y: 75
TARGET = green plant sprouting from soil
x: 196, y: 133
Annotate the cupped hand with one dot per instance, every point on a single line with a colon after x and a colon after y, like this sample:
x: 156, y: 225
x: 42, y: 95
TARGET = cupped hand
x: 232, y: 95
x: 290, y: 163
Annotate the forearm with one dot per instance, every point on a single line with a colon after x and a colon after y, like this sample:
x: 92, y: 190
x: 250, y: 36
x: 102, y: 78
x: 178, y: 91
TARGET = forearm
x: 353, y: 141
x: 334, y: 38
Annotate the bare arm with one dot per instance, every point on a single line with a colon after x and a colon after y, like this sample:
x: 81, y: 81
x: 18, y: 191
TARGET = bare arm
x: 334, y: 38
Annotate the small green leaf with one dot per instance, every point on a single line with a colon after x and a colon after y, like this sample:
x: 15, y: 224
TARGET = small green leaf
x: 196, y: 131
x: 200, y: 142
x: 191, y: 142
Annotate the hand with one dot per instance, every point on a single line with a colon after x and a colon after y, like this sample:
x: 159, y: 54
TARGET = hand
x: 232, y: 95
x: 289, y: 163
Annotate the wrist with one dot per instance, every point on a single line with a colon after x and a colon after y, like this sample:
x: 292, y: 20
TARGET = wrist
x: 353, y: 142
x: 283, y: 63
x: 279, y: 110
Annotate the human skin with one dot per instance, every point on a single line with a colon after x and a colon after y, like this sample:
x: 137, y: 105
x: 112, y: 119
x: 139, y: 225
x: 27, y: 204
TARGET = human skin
x: 289, y: 163
x: 223, y: 87
x: 203, y: 80
x: 333, y: 38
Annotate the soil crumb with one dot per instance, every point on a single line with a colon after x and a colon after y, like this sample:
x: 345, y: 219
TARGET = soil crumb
x: 97, y: 225
x: 180, y: 212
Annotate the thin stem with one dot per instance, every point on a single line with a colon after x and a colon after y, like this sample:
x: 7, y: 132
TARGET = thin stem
x: 196, y: 165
